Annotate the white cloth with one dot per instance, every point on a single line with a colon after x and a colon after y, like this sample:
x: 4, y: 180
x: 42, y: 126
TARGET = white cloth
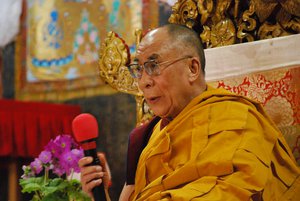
x: 10, y: 11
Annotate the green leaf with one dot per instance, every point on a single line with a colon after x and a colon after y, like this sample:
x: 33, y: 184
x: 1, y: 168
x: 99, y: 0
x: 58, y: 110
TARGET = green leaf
x: 56, y: 196
x: 38, y: 180
x: 31, y: 188
x: 59, y: 183
x: 36, y: 198
x: 31, y: 184
x: 56, y: 189
x: 55, y: 185
x: 56, y: 181
x: 79, y: 196
x: 48, y: 190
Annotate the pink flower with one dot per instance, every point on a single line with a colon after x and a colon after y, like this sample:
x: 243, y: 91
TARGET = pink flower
x: 61, y: 155
x: 36, y: 166
x: 45, y: 157
x: 58, y: 170
x: 59, y: 159
x: 65, y: 142
x: 78, y: 154
x: 53, y: 148
x: 69, y: 160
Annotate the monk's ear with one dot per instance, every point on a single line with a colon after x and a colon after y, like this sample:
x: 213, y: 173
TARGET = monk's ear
x: 194, y: 69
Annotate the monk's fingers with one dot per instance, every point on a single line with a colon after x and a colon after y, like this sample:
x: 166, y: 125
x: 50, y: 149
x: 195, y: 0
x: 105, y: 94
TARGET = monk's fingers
x: 86, y: 170
x: 88, y: 187
x: 85, y: 161
x: 89, y: 181
x: 85, y: 179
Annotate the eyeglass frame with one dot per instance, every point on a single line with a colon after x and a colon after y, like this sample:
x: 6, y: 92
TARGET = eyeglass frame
x: 152, y: 71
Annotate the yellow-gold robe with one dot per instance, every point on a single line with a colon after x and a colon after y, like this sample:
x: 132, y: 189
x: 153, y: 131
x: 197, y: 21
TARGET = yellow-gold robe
x: 222, y: 146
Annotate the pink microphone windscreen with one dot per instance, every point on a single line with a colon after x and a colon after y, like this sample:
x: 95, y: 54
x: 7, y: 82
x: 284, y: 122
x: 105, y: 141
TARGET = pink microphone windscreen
x: 85, y: 127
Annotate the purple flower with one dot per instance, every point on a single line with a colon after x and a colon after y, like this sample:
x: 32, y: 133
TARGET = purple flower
x: 60, y: 159
x: 60, y: 155
x: 36, y: 166
x: 68, y: 161
x: 64, y: 142
x: 45, y: 157
x: 61, y: 144
x: 78, y: 153
x: 53, y: 148
x: 58, y: 170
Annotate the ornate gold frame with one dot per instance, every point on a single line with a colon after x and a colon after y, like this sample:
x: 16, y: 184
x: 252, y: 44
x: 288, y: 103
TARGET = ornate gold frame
x: 227, y: 22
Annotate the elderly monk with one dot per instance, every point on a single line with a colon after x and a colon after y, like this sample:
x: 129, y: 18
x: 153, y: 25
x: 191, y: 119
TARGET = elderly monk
x: 204, y: 143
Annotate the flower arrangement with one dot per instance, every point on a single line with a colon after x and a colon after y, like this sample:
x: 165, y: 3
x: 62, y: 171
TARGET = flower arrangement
x: 50, y: 176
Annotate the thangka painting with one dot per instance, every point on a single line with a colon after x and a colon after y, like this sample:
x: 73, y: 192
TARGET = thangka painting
x: 57, y: 50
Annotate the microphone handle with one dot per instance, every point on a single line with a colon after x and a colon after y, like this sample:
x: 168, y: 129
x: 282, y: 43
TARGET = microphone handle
x: 98, y: 191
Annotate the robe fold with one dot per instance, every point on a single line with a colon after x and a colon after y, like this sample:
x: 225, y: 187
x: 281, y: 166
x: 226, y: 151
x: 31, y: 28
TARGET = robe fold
x: 222, y: 146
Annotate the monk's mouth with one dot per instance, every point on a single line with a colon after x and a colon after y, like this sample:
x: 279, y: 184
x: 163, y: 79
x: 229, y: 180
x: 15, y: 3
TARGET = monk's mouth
x: 152, y: 100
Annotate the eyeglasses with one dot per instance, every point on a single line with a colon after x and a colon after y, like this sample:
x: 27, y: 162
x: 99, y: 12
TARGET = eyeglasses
x: 151, y: 67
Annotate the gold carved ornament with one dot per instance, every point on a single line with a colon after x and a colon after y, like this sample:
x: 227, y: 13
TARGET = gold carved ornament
x: 227, y: 22
x: 114, y: 56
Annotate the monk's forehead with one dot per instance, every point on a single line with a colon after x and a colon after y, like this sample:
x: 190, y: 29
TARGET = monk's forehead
x: 155, y: 41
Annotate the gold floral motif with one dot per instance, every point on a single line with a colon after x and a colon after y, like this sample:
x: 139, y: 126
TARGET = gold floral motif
x: 113, y: 58
x: 206, y: 36
x: 138, y: 35
x: 223, y: 33
x: 283, y: 115
x: 222, y: 8
x: 243, y: 20
x: 205, y: 8
x: 274, y: 89
x: 287, y: 18
x: 248, y: 24
x: 268, y: 30
x: 218, y: 29
x: 184, y: 12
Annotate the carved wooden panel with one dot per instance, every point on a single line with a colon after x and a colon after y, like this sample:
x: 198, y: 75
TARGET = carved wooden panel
x: 227, y: 22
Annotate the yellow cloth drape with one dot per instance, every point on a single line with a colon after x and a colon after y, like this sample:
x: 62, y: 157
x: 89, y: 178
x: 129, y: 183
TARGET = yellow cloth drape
x: 220, y: 147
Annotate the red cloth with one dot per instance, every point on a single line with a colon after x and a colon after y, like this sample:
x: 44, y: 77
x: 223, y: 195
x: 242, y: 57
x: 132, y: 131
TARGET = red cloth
x: 26, y: 127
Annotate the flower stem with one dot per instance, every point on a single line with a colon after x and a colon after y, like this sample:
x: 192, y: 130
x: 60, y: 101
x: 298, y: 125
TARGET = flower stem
x: 38, y: 194
x: 72, y: 173
x: 46, y: 175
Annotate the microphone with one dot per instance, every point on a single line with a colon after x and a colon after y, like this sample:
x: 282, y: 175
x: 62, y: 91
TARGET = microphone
x: 85, y: 129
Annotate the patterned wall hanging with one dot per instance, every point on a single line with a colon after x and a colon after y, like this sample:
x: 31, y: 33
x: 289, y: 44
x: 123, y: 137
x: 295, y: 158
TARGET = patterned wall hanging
x: 57, y: 49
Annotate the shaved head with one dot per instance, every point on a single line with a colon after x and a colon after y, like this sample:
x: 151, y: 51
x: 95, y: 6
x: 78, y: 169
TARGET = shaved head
x: 186, y: 38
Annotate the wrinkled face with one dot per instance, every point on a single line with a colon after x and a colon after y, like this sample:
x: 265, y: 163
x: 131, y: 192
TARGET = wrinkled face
x: 166, y: 93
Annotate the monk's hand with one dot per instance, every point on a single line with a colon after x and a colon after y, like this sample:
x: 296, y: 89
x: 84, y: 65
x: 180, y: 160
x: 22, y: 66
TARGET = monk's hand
x: 91, y: 176
x: 107, y: 175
